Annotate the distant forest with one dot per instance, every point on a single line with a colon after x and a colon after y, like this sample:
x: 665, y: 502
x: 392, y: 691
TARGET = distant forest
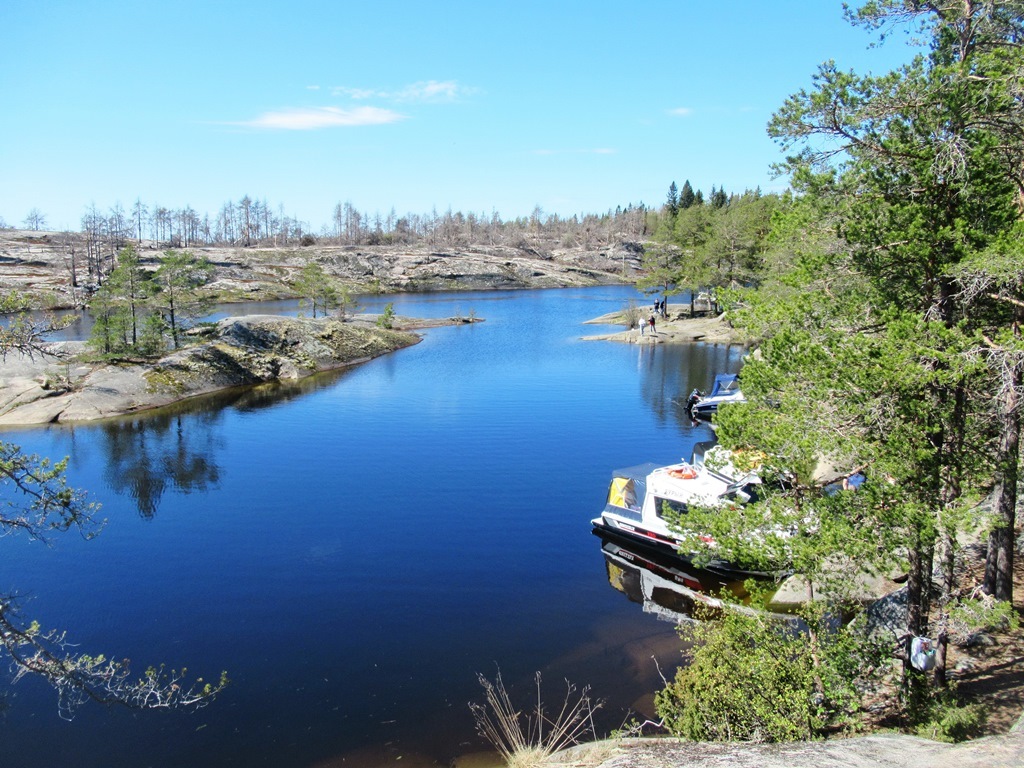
x: 250, y: 222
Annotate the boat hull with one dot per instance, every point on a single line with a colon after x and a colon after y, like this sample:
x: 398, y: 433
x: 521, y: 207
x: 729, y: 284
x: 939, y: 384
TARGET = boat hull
x: 636, y: 535
x: 709, y: 406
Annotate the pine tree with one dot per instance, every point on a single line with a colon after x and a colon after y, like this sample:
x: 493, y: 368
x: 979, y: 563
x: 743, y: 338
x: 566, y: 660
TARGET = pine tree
x: 916, y: 191
x: 178, y: 278
x: 316, y: 289
x: 672, y: 203
x: 687, y: 198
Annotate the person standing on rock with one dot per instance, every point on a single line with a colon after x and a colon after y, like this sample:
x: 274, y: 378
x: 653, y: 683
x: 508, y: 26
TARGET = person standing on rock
x: 651, y: 321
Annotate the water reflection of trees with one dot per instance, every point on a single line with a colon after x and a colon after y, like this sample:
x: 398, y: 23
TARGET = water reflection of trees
x: 149, y: 455
x: 668, y: 372
x: 175, y: 448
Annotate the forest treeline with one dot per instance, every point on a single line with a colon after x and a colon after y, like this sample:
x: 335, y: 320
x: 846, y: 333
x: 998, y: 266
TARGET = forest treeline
x: 250, y: 222
x: 724, y: 233
x: 695, y: 246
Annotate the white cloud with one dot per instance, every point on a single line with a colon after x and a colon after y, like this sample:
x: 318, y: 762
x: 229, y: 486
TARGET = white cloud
x: 431, y: 90
x: 356, y: 93
x: 312, y: 118
x: 423, y: 91
x: 681, y: 111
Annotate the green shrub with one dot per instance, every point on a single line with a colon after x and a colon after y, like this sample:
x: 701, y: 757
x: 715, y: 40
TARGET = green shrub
x: 755, y: 678
x: 939, y: 715
x: 387, y: 318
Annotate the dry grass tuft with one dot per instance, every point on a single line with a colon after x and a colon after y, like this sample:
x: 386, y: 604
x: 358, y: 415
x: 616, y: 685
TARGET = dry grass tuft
x: 527, y: 739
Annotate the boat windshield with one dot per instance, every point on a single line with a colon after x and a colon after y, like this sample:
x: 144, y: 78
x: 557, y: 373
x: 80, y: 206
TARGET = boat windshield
x: 675, y: 507
x: 623, y: 493
x: 629, y: 486
x: 725, y: 384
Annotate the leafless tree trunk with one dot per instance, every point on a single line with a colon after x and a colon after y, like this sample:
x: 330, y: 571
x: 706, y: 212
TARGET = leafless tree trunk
x: 35, y: 220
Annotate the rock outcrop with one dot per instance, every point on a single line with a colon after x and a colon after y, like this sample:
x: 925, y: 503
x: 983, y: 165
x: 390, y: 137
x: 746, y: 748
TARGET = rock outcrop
x: 879, y: 750
x: 677, y: 328
x: 246, y: 350
x: 36, y: 264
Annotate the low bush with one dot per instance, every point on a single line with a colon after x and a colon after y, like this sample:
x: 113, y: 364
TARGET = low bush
x: 755, y: 678
x: 939, y: 715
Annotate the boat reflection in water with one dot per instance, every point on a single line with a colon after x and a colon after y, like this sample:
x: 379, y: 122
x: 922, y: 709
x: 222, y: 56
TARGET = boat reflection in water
x: 668, y: 587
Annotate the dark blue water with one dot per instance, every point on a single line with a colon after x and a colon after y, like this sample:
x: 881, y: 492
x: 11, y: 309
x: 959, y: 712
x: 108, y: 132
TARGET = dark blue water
x: 353, y: 549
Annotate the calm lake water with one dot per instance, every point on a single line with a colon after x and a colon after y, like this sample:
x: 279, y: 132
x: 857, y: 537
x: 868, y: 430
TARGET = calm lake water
x: 354, y: 548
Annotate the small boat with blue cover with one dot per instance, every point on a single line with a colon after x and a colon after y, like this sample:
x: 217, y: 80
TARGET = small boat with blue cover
x: 726, y: 389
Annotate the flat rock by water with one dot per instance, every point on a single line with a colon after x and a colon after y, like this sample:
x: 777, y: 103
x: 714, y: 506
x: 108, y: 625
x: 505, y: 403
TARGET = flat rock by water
x: 677, y: 328
x: 35, y: 264
x: 880, y: 750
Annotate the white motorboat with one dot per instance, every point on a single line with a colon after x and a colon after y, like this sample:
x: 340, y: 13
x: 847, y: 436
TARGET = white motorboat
x: 726, y: 389
x: 638, y: 497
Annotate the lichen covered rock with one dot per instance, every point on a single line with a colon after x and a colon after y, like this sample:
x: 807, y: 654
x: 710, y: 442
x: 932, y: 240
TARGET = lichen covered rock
x: 243, y: 351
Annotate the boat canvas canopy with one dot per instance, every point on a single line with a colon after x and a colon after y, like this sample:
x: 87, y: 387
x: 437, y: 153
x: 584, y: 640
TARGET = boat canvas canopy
x: 725, y: 384
x: 622, y: 493
x: 629, y: 486
x: 639, y: 472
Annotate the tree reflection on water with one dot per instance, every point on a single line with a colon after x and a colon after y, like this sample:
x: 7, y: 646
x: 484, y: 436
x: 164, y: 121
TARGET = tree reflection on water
x: 146, y: 456
x: 668, y: 372
x: 175, y: 448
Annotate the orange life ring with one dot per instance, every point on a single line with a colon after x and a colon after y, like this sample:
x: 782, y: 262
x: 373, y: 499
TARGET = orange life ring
x: 683, y: 473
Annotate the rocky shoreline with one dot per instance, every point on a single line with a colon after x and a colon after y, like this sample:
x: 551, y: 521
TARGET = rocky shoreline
x: 678, y: 327
x: 61, y: 387
x: 38, y: 266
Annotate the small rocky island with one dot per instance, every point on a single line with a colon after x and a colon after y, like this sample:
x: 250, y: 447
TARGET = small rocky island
x: 59, y: 386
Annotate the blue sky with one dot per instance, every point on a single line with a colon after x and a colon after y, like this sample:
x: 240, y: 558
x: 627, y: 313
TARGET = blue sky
x: 484, y: 106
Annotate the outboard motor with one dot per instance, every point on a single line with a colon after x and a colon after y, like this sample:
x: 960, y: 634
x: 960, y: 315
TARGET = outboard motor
x: 692, y: 400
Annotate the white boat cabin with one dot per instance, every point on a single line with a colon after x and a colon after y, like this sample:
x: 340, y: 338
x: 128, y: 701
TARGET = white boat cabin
x: 639, y: 496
